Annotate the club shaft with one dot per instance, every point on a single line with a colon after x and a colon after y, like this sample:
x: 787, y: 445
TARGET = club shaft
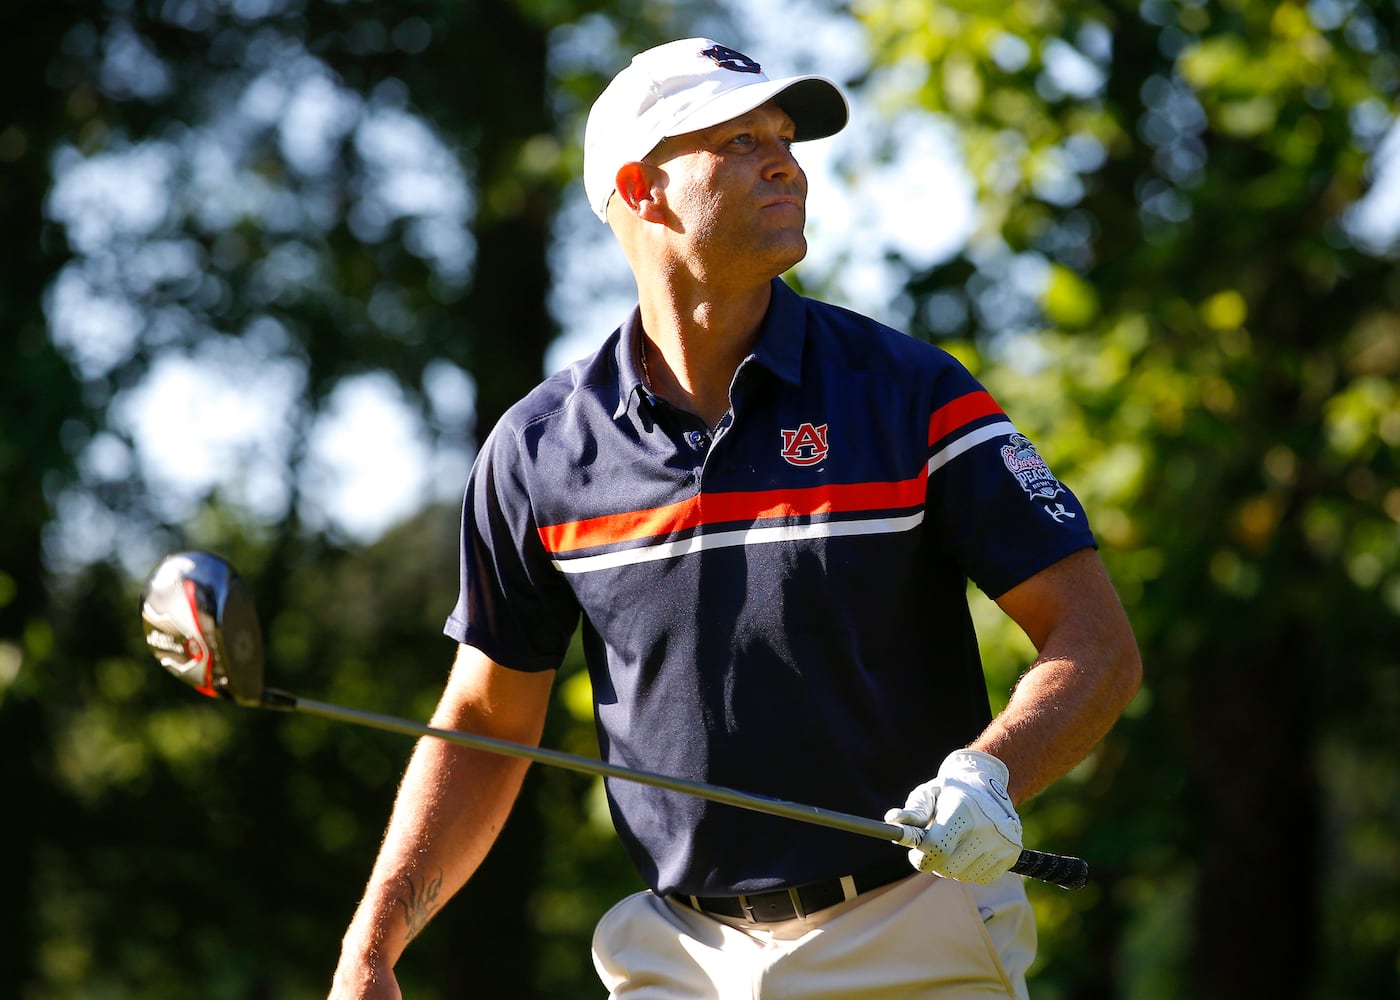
x: 597, y: 768
x: 1071, y: 873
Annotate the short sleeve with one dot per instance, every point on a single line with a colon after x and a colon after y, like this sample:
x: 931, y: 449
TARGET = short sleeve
x: 994, y: 505
x: 513, y: 604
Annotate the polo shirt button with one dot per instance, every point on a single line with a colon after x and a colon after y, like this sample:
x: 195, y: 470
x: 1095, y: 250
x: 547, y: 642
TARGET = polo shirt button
x: 698, y: 440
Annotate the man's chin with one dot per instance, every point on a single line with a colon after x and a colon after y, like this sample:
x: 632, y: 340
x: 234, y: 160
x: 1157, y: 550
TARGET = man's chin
x: 795, y: 256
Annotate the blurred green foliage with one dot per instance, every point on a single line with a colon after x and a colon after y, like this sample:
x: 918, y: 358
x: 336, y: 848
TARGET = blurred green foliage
x: 1210, y: 355
x: 1213, y: 366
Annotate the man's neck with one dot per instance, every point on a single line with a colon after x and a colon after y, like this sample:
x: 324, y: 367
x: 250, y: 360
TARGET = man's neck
x: 697, y: 341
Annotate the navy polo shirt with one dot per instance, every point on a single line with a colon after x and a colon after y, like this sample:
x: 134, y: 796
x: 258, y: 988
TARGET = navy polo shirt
x: 776, y: 605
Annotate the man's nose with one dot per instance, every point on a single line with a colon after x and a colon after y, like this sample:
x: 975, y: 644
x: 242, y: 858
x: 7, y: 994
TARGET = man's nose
x: 778, y: 160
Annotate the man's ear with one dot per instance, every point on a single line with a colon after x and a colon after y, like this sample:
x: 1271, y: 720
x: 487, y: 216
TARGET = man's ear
x: 640, y: 187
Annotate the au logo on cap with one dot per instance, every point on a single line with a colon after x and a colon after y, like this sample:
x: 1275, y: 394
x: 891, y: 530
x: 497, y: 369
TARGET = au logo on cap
x: 726, y: 58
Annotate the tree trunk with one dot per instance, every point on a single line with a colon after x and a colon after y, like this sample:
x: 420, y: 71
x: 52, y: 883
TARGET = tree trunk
x: 1256, y: 898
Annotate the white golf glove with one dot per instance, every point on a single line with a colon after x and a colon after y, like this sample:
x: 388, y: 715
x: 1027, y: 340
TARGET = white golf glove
x: 962, y: 823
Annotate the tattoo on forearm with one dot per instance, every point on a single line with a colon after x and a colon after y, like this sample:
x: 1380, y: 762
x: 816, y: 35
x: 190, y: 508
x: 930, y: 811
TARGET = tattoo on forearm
x: 420, y: 902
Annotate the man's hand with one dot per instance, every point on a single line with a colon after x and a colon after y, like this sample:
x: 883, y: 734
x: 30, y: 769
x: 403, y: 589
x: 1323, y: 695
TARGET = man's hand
x: 972, y: 831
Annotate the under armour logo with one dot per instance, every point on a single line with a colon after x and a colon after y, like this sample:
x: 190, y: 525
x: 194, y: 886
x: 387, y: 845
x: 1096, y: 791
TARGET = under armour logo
x: 804, y: 446
x: 1059, y: 513
x: 727, y: 58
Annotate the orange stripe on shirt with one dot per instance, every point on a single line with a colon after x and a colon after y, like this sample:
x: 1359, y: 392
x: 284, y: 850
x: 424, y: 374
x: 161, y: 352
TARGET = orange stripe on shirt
x: 960, y: 412
x: 721, y: 508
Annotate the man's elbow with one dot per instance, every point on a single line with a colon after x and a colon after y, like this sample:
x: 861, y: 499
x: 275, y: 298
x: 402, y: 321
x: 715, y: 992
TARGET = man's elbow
x: 1125, y: 674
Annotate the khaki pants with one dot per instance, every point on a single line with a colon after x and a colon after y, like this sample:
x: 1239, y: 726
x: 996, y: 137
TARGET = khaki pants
x: 923, y: 937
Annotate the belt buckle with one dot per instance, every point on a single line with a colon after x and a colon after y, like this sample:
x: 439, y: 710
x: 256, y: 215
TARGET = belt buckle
x: 793, y: 897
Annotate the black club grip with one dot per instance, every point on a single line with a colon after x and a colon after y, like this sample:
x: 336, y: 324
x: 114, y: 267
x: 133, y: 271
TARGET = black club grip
x: 1058, y: 869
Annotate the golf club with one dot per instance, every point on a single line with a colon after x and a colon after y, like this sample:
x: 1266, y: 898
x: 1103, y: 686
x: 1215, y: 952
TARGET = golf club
x: 201, y: 625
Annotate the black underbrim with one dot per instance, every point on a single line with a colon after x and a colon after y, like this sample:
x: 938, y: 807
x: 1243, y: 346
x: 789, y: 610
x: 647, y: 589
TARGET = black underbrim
x: 816, y: 108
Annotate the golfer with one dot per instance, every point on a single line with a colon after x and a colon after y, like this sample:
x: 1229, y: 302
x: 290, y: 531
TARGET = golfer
x: 764, y: 511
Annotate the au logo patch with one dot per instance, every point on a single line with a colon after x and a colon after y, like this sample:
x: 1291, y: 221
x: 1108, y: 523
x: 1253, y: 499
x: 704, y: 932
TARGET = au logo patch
x: 1030, y: 470
x: 732, y: 59
x: 805, y: 446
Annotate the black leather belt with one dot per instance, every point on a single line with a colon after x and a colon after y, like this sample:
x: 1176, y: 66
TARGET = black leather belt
x: 798, y: 901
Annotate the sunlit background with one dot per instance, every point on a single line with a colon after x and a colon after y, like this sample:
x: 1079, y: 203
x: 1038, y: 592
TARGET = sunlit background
x: 219, y: 416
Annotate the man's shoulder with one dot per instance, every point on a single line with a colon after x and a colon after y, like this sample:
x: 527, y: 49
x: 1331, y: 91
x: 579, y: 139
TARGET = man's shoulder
x: 591, y: 382
x: 865, y: 343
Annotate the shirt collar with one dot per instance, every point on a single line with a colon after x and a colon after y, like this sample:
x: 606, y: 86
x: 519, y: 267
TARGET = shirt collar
x: 779, y: 347
x: 784, y: 331
x: 629, y: 369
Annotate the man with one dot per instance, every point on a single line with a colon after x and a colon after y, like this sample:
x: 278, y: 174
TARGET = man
x: 765, y: 511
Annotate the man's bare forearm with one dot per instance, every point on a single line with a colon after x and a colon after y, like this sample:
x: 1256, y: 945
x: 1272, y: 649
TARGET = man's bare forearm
x: 451, y: 805
x: 1053, y: 722
x: 1087, y: 670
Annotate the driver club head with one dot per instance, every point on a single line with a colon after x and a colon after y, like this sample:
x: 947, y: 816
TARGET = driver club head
x: 200, y: 625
